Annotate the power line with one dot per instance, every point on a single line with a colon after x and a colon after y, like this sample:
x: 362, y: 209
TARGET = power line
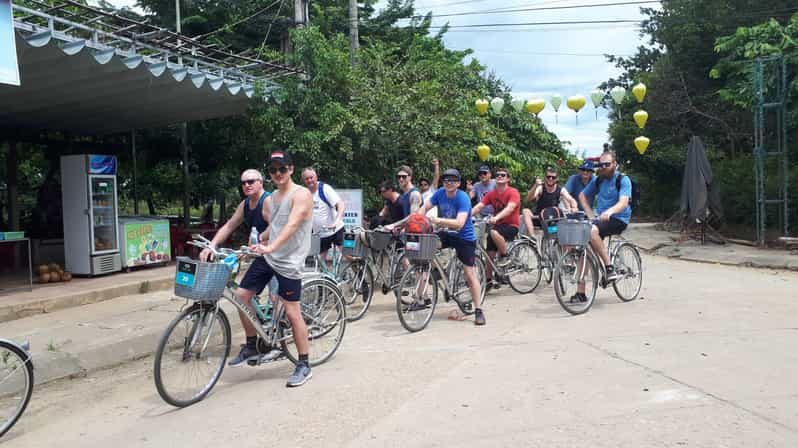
x: 569, y: 22
x: 535, y: 53
x: 545, y: 8
x: 245, y: 19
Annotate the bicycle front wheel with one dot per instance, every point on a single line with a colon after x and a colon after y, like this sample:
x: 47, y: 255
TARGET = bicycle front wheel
x: 575, y: 268
x: 629, y: 267
x: 191, y: 355
x: 524, y: 271
x: 356, y: 282
x: 16, y: 384
x: 325, y: 317
x: 416, y: 297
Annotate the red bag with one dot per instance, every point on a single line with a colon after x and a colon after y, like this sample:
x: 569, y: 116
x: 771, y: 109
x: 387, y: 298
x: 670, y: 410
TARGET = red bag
x: 418, y: 223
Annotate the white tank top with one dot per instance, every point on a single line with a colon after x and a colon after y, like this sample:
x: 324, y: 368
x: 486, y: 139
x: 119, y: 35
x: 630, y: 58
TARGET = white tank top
x: 289, y: 259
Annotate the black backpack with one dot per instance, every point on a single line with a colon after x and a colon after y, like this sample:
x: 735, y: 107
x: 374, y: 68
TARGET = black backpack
x: 634, y: 201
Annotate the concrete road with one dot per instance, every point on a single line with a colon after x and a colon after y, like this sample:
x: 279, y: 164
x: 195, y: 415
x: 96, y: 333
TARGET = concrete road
x: 705, y: 358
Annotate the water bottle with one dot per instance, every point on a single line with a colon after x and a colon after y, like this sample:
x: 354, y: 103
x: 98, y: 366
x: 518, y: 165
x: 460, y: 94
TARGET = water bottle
x: 254, y: 236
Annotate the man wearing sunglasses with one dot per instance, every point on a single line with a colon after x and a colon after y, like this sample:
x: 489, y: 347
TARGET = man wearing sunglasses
x: 505, y: 201
x: 410, y: 198
x: 284, y: 250
x: 577, y: 182
x: 391, y: 209
x: 612, y: 209
x: 483, y: 187
x: 328, y: 211
x: 454, y: 213
x: 547, y: 195
x: 248, y: 212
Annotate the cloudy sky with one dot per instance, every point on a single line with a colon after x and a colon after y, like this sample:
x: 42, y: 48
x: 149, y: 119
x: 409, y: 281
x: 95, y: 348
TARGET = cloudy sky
x: 538, y: 61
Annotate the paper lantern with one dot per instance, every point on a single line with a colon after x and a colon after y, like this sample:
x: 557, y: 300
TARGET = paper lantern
x: 639, y: 91
x: 535, y: 106
x: 618, y: 93
x: 596, y: 96
x: 482, y: 106
x: 556, y: 101
x: 483, y: 152
x: 497, y: 104
x: 518, y: 104
x: 641, y: 117
x: 641, y: 143
x: 576, y: 103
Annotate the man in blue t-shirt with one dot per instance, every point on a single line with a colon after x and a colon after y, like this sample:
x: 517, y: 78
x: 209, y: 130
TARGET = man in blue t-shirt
x: 577, y: 182
x: 454, y: 213
x: 612, y: 207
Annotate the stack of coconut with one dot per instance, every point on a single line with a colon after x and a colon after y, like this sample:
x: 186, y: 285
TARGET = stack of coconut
x: 52, y: 272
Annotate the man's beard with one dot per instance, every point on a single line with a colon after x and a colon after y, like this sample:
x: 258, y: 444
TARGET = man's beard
x: 606, y: 174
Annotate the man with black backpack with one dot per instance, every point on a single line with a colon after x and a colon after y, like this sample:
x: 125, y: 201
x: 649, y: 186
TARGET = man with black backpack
x: 328, y: 211
x: 613, y: 192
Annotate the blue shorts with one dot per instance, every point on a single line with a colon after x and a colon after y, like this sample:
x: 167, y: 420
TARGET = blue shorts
x: 260, y: 274
x: 466, y: 250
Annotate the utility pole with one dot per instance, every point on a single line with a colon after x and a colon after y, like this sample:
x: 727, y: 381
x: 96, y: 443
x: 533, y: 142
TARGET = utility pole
x: 301, y: 18
x: 354, y: 40
x: 183, y: 137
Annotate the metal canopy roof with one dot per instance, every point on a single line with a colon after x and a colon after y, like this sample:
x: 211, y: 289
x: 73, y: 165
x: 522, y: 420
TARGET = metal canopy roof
x: 83, y: 79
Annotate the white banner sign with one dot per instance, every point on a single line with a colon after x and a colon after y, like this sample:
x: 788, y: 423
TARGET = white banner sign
x: 353, y: 215
x: 9, y: 69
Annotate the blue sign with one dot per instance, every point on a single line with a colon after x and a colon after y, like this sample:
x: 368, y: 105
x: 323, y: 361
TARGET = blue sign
x: 101, y: 164
x: 9, y: 68
x: 186, y: 273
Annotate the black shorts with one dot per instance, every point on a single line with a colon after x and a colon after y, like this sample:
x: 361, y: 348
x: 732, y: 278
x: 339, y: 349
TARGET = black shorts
x: 611, y: 227
x: 337, y: 238
x: 466, y: 250
x: 259, y: 275
x: 507, y: 232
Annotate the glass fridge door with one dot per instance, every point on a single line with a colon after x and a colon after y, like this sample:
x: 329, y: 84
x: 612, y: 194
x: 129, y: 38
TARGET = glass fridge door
x: 103, y: 214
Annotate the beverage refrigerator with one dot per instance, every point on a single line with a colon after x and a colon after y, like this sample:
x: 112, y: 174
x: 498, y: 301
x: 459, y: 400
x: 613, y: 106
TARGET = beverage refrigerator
x: 89, y: 198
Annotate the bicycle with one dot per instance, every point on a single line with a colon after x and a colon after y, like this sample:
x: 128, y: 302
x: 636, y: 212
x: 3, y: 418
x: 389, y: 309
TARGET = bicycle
x: 16, y: 382
x: 521, y: 268
x: 581, y: 264
x: 199, y: 338
x: 413, y: 305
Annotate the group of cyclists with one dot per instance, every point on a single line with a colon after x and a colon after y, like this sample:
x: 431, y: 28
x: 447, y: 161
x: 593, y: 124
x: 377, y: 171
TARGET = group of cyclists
x: 286, y: 219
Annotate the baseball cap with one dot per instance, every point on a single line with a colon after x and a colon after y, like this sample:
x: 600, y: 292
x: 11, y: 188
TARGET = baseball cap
x: 281, y: 157
x: 586, y: 165
x: 484, y: 169
x: 451, y: 172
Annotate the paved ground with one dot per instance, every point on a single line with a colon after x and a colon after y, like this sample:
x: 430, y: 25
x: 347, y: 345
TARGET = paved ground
x: 705, y: 358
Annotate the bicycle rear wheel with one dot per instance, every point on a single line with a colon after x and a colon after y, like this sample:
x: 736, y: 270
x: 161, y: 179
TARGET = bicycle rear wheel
x: 575, y: 267
x: 460, y: 291
x: 325, y: 316
x: 191, y: 355
x: 356, y: 282
x: 524, y: 271
x: 629, y: 267
x: 16, y: 383
x: 416, y: 297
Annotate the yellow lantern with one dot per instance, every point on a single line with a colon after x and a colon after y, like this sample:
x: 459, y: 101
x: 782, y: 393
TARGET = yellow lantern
x: 535, y: 106
x: 641, y: 117
x: 483, y: 151
x: 639, y: 91
x: 482, y: 106
x: 641, y: 143
x: 575, y: 103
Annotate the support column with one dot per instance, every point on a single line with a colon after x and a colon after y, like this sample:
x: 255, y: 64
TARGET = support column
x: 135, y: 172
x: 186, y: 180
x: 354, y: 39
x: 12, y: 166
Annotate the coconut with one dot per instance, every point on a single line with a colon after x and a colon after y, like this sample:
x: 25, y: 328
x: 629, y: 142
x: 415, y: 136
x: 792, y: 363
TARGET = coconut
x: 52, y: 267
x: 66, y: 276
x: 42, y: 269
x: 44, y: 278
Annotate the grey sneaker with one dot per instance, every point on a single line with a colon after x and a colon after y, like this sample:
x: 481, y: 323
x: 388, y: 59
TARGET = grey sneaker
x: 479, y: 317
x: 246, y: 354
x: 300, y: 376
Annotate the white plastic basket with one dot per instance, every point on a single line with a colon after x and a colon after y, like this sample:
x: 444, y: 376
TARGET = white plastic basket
x: 573, y: 232
x: 420, y: 246
x: 197, y: 280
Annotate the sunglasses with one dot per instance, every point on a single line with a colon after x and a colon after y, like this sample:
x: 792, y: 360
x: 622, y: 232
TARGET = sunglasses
x: 551, y: 177
x: 483, y: 173
x: 451, y: 180
x: 401, y: 176
x: 249, y: 181
x: 502, y: 175
x: 603, y: 164
x: 273, y: 170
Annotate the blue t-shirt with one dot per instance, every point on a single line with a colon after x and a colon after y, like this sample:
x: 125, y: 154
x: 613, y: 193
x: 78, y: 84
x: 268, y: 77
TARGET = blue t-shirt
x: 574, y: 186
x: 608, y: 195
x: 449, y: 208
